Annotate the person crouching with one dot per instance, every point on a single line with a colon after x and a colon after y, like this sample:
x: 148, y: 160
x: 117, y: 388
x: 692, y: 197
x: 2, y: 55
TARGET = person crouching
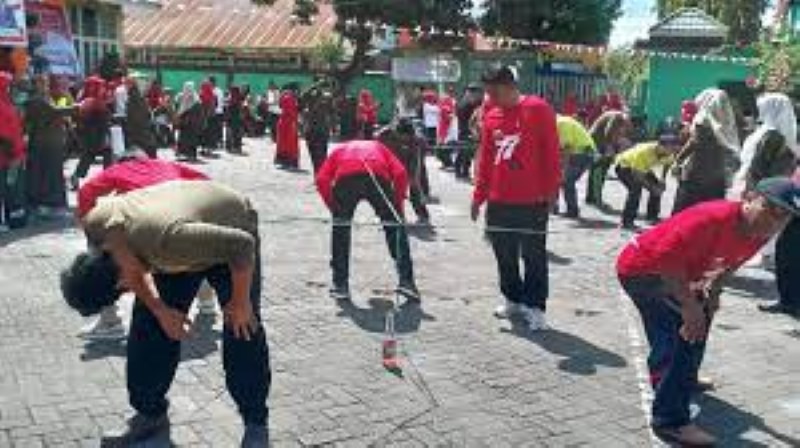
x: 362, y: 170
x: 161, y: 242
x: 635, y: 170
x: 674, y: 274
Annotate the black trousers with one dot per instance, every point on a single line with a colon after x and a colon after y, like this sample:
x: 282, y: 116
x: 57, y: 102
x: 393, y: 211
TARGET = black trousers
x: 212, y: 135
x: 317, y: 143
x: 787, y: 264
x: 87, y: 159
x: 430, y: 136
x: 464, y: 156
x: 347, y: 194
x: 272, y: 124
x: 153, y: 357
x: 418, y: 203
x: 690, y: 194
x: 519, y: 232
x: 236, y: 128
x: 635, y: 183
x: 597, y: 180
x: 424, y: 180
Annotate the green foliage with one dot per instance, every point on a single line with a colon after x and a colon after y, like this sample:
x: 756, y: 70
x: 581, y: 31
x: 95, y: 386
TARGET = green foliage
x: 584, y: 22
x: 110, y: 65
x: 627, y: 69
x: 358, y: 19
x: 329, y: 53
x: 777, y: 61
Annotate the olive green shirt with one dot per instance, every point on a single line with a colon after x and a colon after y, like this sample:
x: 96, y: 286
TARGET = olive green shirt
x: 180, y: 226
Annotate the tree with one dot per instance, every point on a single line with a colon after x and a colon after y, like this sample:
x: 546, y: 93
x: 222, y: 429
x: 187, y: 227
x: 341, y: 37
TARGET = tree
x: 627, y: 69
x: 585, y: 22
x: 358, y: 20
x: 743, y: 17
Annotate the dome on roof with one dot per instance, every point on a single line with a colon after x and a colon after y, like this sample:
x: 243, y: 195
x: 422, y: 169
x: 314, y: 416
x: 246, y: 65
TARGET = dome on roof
x: 691, y: 23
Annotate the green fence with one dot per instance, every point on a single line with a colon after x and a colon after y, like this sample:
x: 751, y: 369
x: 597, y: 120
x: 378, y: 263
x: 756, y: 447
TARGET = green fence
x: 380, y: 84
x: 673, y: 80
x: 382, y: 87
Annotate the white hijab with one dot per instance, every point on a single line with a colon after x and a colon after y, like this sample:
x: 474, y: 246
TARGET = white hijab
x: 188, y: 98
x: 776, y: 113
x: 714, y: 110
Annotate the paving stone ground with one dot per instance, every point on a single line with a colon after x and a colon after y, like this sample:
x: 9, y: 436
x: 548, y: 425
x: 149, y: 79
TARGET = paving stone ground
x: 467, y: 378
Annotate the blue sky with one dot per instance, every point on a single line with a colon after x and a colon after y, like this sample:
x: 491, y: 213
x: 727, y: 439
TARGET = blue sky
x: 637, y: 17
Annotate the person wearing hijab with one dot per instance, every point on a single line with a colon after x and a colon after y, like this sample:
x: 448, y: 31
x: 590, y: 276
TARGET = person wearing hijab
x: 287, y: 154
x: 367, y: 114
x: 190, y: 122
x: 235, y: 119
x: 94, y: 121
x: 163, y: 113
x: 608, y: 133
x: 208, y: 100
x: 155, y: 95
x: 348, y: 117
x: 772, y: 150
x: 787, y: 268
x: 45, y: 124
x: 12, y: 156
x: 706, y: 164
x: 139, y: 129
x: 318, y: 113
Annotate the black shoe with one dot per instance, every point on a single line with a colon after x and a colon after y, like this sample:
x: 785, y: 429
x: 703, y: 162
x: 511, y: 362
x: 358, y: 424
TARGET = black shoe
x: 137, y: 429
x: 780, y: 308
x: 340, y: 292
x: 255, y: 436
x: 409, y: 290
x: 572, y: 214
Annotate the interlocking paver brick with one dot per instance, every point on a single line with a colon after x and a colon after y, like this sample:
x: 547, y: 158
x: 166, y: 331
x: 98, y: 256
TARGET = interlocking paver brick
x: 468, y: 379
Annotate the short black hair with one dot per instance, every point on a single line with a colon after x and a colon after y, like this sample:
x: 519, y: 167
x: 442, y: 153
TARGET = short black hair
x: 91, y: 283
x: 405, y: 126
x: 498, y: 74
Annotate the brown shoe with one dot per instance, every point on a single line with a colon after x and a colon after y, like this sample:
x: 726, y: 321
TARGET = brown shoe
x: 689, y: 435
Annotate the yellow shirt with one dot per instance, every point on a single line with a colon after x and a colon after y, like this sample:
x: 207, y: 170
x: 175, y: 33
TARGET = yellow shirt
x: 574, y: 137
x: 643, y: 157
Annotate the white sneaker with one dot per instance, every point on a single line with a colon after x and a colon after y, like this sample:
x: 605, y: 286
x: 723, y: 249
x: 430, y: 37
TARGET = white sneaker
x: 506, y: 310
x: 103, y: 330
x: 535, y: 318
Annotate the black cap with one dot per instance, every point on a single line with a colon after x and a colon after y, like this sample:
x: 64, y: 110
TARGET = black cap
x: 498, y: 74
x: 669, y: 138
x: 781, y: 192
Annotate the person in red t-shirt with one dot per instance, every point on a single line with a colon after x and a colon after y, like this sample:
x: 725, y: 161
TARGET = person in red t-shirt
x: 367, y: 114
x: 519, y: 175
x: 12, y: 155
x: 674, y: 274
x: 366, y: 170
x: 128, y: 175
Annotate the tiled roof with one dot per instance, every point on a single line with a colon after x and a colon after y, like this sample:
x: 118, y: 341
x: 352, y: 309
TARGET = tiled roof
x: 224, y: 25
x: 689, y: 23
x: 146, y: 3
